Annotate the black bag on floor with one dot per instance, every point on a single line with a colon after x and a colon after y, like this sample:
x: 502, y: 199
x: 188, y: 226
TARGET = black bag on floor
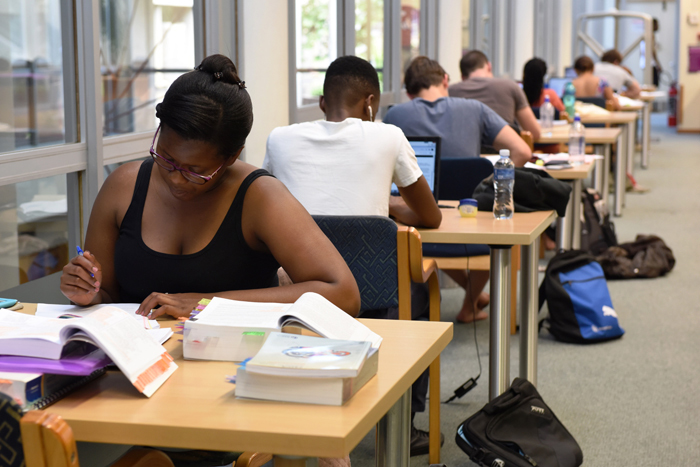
x: 646, y: 257
x: 579, y: 303
x: 517, y: 429
x: 597, y: 231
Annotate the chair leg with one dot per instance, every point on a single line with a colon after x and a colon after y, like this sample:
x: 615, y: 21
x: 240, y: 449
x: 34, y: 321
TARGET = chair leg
x: 434, y: 388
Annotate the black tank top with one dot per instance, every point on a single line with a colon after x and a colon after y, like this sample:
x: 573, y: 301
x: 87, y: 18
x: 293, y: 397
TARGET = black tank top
x: 226, y: 263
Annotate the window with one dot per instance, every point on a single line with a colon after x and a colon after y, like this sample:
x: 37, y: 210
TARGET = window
x: 316, y: 47
x: 31, y: 75
x: 410, y: 32
x: 144, y: 47
x: 369, y: 34
x: 33, y: 230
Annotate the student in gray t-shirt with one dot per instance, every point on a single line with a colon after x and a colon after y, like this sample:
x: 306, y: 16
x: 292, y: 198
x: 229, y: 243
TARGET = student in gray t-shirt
x: 502, y: 95
x: 463, y: 124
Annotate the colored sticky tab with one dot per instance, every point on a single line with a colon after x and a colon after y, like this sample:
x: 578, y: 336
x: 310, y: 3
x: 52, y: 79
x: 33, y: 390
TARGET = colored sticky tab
x: 254, y: 333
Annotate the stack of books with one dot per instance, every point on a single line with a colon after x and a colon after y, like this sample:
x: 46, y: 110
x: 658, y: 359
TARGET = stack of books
x: 233, y: 330
x: 306, y: 369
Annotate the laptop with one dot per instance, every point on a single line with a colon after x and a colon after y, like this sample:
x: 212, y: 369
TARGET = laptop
x: 558, y: 84
x: 427, y: 149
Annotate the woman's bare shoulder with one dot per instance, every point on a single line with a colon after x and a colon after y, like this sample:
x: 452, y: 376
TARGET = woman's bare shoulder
x: 118, y: 188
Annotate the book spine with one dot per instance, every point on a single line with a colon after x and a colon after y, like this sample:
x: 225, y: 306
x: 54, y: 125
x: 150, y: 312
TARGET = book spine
x: 48, y: 399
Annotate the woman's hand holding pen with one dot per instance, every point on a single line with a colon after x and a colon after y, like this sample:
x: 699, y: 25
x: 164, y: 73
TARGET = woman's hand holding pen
x: 177, y: 305
x: 81, y: 278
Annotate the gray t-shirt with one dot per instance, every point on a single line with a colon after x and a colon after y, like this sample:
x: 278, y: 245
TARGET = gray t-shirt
x: 616, y: 76
x: 462, y: 124
x: 502, y: 95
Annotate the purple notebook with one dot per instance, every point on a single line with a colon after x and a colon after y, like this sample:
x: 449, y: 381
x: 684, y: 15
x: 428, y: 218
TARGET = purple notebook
x: 69, y: 365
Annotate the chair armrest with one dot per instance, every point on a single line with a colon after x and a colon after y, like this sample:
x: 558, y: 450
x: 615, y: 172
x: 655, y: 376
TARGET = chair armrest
x: 47, y: 440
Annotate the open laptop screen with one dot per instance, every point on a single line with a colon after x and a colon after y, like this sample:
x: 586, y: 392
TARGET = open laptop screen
x: 427, y: 149
x: 558, y: 85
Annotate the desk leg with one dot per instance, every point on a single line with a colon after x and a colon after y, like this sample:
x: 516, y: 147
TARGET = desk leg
x: 598, y: 166
x: 499, y: 339
x: 605, y: 191
x: 620, y: 156
x: 576, y: 215
x: 564, y: 226
x: 394, y: 434
x: 529, y: 308
x: 632, y: 126
x: 646, y: 134
x: 294, y: 461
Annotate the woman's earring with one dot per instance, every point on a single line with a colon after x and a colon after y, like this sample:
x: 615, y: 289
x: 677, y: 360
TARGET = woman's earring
x: 371, y: 117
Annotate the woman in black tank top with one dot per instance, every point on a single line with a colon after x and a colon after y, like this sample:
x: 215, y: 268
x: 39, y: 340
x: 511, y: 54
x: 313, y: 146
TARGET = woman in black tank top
x: 193, y: 222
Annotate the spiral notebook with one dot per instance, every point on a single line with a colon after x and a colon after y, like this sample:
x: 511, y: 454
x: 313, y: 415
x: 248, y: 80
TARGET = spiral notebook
x: 63, y: 392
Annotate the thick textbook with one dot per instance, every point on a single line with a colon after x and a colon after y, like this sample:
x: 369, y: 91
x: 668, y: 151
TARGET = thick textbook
x: 232, y: 330
x: 144, y: 362
x: 308, y: 356
x: 307, y: 390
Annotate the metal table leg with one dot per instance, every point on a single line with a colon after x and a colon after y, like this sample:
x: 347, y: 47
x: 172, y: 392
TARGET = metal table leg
x: 576, y: 215
x: 529, y: 308
x: 631, y: 127
x: 646, y: 134
x: 564, y: 226
x: 394, y: 433
x: 499, y: 339
x: 620, y: 165
x: 605, y: 191
x: 598, y: 167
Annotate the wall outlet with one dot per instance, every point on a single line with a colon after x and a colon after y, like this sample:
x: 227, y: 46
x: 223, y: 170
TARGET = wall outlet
x: 694, y: 18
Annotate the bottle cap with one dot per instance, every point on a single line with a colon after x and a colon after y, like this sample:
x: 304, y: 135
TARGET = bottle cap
x: 505, y: 153
x: 577, y: 118
x: 546, y: 98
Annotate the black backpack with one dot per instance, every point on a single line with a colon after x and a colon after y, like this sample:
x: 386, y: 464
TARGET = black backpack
x: 579, y: 303
x: 597, y: 231
x: 517, y: 429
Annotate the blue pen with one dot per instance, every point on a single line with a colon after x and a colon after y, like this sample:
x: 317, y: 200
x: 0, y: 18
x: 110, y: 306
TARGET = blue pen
x: 81, y: 253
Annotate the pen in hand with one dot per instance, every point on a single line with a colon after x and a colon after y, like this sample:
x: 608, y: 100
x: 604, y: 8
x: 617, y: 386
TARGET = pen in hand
x: 81, y: 253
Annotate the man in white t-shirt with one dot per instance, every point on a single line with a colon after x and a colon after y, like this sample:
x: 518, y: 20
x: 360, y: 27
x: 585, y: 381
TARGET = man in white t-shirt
x: 611, y: 70
x: 345, y: 166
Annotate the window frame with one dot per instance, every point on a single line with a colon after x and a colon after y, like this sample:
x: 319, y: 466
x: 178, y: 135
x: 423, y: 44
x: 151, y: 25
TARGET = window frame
x: 393, y: 92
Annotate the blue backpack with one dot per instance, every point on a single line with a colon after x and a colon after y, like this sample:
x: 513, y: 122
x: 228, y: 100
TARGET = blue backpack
x: 580, y: 308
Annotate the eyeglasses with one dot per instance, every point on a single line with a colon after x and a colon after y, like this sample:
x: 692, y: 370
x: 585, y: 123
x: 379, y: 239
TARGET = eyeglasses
x: 170, y: 166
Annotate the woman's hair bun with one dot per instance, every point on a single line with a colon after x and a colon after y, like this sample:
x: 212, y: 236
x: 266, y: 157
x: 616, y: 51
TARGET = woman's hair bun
x: 222, y: 69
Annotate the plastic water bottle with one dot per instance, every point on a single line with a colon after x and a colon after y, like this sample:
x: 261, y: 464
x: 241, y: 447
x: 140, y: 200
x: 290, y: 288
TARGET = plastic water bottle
x: 569, y: 98
x: 577, y: 142
x: 503, y: 181
x: 546, y: 114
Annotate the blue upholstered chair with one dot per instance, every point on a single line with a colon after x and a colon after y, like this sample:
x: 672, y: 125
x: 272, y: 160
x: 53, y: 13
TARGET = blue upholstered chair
x: 377, y: 253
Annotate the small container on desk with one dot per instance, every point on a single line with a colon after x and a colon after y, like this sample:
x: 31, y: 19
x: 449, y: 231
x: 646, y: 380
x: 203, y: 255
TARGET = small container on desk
x: 468, y: 207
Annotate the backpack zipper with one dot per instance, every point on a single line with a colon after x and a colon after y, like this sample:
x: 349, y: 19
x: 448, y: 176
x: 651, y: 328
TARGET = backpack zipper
x: 569, y: 282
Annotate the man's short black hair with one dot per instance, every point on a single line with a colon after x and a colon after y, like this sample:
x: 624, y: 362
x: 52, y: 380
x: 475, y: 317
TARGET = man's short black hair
x: 348, y: 80
x: 421, y: 74
x: 471, y: 61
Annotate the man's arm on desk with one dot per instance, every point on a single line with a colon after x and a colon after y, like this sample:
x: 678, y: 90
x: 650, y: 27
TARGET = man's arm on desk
x: 416, y: 206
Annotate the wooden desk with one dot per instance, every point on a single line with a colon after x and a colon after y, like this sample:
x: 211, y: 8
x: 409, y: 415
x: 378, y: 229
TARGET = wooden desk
x: 625, y: 150
x: 601, y: 138
x: 523, y: 229
x: 569, y: 227
x: 196, y: 408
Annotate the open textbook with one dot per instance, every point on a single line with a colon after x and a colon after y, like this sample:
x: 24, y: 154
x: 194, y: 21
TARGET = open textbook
x: 144, y: 361
x: 233, y: 330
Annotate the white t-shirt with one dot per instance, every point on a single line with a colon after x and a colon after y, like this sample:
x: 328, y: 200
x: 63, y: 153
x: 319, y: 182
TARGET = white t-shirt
x: 616, y: 76
x: 342, y: 168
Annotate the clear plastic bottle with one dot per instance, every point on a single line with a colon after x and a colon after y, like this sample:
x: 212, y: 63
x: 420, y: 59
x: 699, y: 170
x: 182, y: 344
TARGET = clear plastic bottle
x: 546, y: 114
x: 577, y: 141
x: 569, y: 98
x: 503, y: 181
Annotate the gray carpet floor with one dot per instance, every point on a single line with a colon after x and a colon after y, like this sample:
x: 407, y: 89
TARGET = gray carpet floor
x: 633, y: 401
